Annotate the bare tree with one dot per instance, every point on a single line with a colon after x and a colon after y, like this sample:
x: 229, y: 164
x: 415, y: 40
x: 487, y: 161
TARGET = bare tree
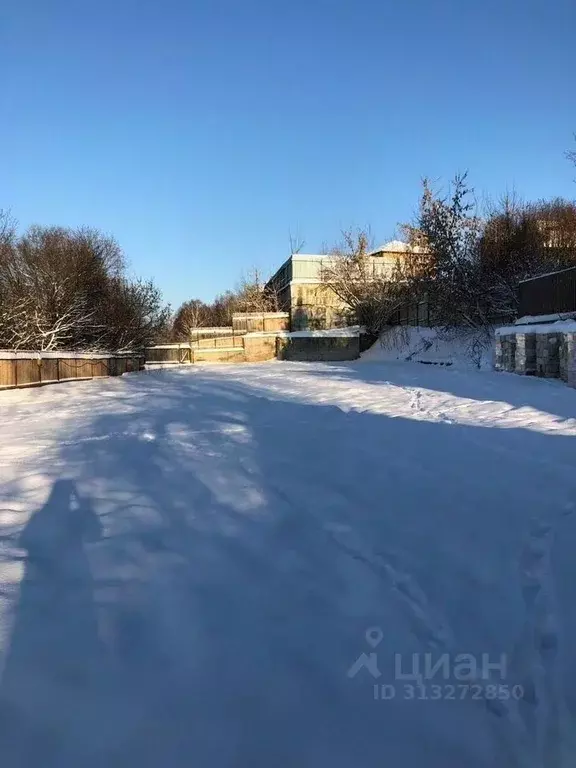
x: 255, y: 294
x: 371, y: 289
x: 297, y: 242
x: 222, y: 308
x: 137, y: 314
x: 475, y: 263
x: 522, y: 240
x: 7, y: 230
x: 64, y: 288
x: 571, y: 154
x: 190, y: 315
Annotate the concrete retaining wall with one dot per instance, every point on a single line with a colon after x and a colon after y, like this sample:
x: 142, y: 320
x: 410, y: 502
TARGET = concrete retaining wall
x: 318, y: 348
x: 259, y: 348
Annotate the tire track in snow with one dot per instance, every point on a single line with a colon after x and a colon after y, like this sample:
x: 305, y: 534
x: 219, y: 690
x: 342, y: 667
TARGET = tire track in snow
x: 544, y: 708
x: 510, y: 729
x: 427, y: 624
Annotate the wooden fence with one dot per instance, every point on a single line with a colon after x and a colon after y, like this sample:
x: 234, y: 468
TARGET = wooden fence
x: 548, y: 294
x: 201, y: 334
x: 184, y: 352
x: 29, y: 369
x: 261, y: 322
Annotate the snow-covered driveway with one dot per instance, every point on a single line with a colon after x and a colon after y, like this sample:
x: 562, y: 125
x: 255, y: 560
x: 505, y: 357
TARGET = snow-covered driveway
x: 193, y: 563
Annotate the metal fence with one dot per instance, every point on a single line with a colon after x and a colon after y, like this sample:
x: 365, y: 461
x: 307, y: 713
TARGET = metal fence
x: 549, y: 294
x: 413, y: 313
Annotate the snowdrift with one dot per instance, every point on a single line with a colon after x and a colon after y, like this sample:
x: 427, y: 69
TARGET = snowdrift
x: 432, y: 346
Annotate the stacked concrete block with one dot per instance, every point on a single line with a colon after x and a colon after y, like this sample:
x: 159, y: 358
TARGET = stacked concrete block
x: 498, y: 353
x: 548, y: 355
x: 506, y: 352
x: 525, y: 357
x: 568, y: 359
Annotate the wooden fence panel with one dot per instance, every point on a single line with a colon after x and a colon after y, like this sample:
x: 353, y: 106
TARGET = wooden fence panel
x: 7, y: 373
x: 50, y: 369
x: 30, y: 369
x: 27, y: 372
x: 260, y: 321
x: 120, y: 366
x: 162, y: 354
x: 67, y: 369
x: 100, y: 367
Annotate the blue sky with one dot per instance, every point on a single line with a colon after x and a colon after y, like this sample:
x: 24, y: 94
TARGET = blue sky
x: 201, y: 133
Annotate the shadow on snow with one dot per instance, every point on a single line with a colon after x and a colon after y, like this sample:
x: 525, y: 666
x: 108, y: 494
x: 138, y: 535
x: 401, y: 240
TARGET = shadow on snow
x: 204, y: 606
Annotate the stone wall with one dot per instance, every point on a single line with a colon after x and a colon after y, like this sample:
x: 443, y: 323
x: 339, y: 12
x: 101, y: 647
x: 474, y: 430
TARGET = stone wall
x: 318, y: 348
x: 545, y: 352
x: 548, y: 355
x: 568, y: 359
x: 506, y: 352
x: 525, y: 356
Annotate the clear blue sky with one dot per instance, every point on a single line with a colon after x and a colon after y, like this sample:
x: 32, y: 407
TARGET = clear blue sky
x: 200, y: 132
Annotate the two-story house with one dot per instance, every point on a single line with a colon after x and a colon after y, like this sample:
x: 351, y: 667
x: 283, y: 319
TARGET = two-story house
x: 301, y: 290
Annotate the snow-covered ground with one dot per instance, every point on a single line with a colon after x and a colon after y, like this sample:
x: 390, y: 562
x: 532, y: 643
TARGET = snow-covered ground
x: 215, y: 566
x: 433, y: 346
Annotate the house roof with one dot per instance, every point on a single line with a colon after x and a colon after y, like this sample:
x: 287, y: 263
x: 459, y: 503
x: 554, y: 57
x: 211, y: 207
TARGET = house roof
x: 309, y: 256
x: 396, y: 246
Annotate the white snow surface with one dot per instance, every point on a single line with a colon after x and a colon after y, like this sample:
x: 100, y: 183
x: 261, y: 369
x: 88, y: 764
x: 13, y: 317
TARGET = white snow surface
x: 434, y: 346
x: 9, y: 354
x: 192, y: 562
x: 350, y: 331
x: 546, y: 274
x: 537, y: 319
x: 560, y: 326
